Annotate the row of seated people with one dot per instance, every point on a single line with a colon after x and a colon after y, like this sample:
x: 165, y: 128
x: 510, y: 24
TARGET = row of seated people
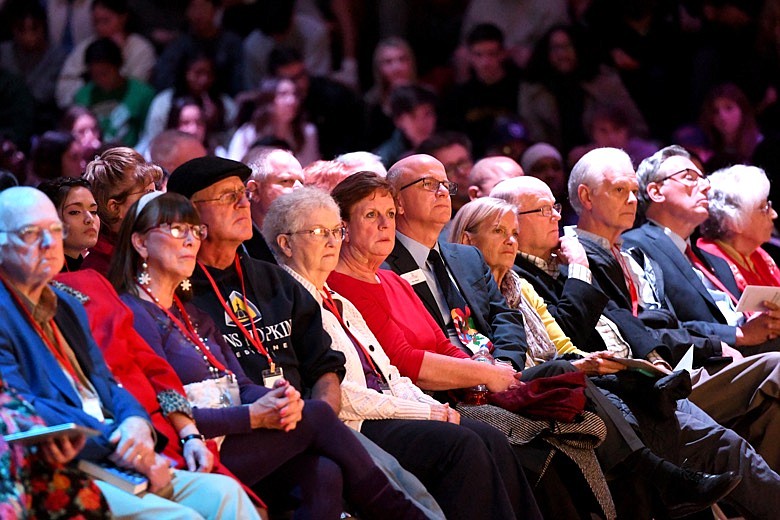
x: 303, y: 335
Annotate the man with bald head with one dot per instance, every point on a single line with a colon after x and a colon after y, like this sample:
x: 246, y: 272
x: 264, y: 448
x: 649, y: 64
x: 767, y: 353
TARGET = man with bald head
x: 48, y: 354
x: 429, y: 265
x: 559, y: 270
x: 275, y: 171
x: 172, y: 148
x: 488, y: 172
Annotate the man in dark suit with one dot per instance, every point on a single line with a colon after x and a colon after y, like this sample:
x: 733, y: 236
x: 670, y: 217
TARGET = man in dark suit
x: 560, y: 271
x: 48, y: 354
x: 423, y: 202
x: 698, y: 286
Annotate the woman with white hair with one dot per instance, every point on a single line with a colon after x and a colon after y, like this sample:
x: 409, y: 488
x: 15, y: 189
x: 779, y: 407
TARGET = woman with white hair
x: 741, y: 219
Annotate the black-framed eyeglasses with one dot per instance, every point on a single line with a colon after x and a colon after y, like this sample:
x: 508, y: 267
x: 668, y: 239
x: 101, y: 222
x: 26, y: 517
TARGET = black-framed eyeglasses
x: 546, y: 211
x: 431, y: 184
x: 690, y: 178
x: 324, y: 233
x: 33, y: 234
x: 229, y: 198
x: 182, y: 231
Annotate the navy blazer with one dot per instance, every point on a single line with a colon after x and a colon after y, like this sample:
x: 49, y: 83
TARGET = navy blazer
x: 492, y: 316
x: 682, y: 288
x: 27, y: 365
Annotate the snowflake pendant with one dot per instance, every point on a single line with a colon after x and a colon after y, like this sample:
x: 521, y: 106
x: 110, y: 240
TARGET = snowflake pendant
x: 144, y: 278
x: 186, y: 285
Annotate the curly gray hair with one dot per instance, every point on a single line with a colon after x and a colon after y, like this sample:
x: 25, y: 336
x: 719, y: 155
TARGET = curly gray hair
x: 734, y: 193
x: 289, y: 212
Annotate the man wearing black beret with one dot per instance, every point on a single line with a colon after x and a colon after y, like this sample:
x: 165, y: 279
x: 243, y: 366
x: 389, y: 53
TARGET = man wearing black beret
x: 272, y: 324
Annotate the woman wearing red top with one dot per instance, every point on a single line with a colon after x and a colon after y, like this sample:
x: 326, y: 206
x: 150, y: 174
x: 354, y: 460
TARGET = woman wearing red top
x: 741, y: 219
x: 412, y: 340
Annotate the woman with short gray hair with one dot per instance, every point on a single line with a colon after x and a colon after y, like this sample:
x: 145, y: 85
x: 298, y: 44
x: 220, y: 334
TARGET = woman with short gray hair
x: 741, y: 219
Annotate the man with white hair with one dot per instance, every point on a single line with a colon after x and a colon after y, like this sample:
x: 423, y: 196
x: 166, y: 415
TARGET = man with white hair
x: 275, y: 171
x: 560, y: 271
x: 362, y: 162
x: 48, y: 354
x: 488, y: 172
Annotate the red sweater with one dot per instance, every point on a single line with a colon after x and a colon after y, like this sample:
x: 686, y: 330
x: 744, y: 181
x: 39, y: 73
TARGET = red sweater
x: 397, y: 318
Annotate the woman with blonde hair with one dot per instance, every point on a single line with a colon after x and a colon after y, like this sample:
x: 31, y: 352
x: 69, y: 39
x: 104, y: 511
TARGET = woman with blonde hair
x: 119, y: 177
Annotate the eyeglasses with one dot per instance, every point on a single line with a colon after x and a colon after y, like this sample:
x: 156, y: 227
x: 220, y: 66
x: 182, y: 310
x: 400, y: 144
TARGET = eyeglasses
x: 229, y: 198
x: 546, y: 211
x: 322, y: 232
x: 691, y: 178
x: 431, y: 184
x: 33, y: 234
x: 182, y: 231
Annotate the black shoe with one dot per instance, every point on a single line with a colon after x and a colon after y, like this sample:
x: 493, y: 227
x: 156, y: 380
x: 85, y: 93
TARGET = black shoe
x: 688, y: 492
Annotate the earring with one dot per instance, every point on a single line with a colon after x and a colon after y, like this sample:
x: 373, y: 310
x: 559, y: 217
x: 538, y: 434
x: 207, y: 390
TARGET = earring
x: 185, y: 285
x: 144, y: 278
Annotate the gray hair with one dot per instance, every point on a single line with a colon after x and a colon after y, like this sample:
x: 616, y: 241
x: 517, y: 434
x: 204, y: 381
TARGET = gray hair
x: 289, y: 212
x: 16, y: 199
x: 257, y: 160
x: 475, y: 213
x: 647, y: 171
x: 590, y: 168
x: 734, y: 193
x: 362, y: 161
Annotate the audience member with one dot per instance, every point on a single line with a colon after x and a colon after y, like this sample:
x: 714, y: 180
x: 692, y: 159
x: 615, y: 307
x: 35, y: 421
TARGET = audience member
x: 172, y: 148
x: 29, y: 54
x: 362, y: 161
x: 325, y: 174
x: 55, y: 154
x: 83, y: 125
x: 195, y: 78
x: 274, y: 110
x: 278, y: 23
x: 545, y: 162
x: 333, y: 108
x: 741, y: 220
x: 414, y: 115
x: 119, y: 102
x: 565, y: 84
x: 110, y: 20
x: 488, y: 172
x: 119, y: 177
x: 70, y: 22
x: 508, y: 137
x: 453, y: 150
x: 77, y: 210
x: 204, y: 35
x: 491, y: 89
x: 50, y: 357
x: 729, y: 122
x: 393, y: 66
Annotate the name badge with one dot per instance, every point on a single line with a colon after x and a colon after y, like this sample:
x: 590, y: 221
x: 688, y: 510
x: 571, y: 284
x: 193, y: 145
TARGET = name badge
x: 414, y: 277
x: 271, y: 377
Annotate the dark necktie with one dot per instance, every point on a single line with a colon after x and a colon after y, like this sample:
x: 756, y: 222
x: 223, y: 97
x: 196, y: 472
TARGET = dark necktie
x: 448, y: 288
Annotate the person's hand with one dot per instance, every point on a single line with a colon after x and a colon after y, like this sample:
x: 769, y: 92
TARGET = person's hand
x: 623, y: 61
x: 453, y: 416
x: 439, y: 412
x: 570, y: 251
x: 134, y: 444
x: 761, y: 327
x: 598, y: 363
x: 158, y: 472
x: 62, y: 450
x: 729, y: 351
x: 279, y: 409
x: 198, y: 456
x: 501, y: 376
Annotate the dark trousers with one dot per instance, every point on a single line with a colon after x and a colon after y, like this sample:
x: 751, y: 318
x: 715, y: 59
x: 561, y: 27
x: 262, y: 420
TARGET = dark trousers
x: 319, y: 458
x: 470, y: 468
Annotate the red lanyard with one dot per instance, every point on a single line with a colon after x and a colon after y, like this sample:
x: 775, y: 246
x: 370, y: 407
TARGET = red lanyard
x: 629, y: 280
x: 253, y: 340
x: 188, y: 330
x: 703, y: 269
x: 328, y: 302
x: 57, y: 351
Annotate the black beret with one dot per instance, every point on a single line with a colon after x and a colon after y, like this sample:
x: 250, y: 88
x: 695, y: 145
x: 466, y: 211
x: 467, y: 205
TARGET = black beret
x: 200, y: 173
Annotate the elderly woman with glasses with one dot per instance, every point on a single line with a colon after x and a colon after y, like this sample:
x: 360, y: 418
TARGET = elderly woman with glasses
x: 119, y: 177
x: 265, y: 434
x: 741, y: 220
x: 305, y: 230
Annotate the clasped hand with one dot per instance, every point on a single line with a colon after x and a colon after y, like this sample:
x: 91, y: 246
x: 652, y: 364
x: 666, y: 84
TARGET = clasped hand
x: 279, y: 409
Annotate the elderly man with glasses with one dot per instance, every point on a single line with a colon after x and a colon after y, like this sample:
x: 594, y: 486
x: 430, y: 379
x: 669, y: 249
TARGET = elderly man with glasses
x: 48, y: 354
